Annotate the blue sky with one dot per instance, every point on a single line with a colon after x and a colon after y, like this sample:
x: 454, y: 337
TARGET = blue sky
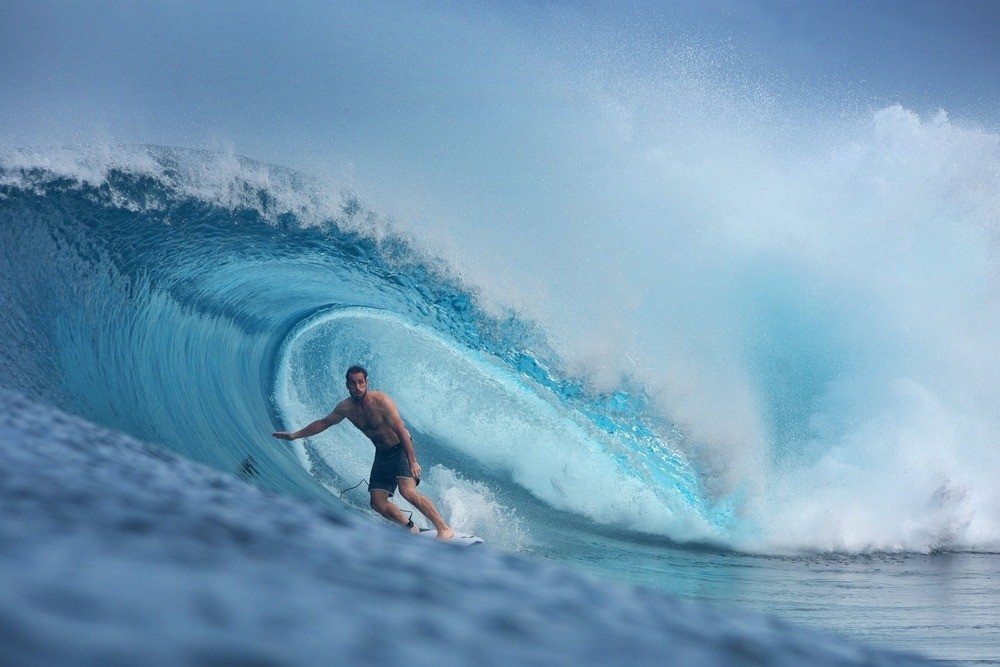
x: 921, y: 53
x: 190, y: 72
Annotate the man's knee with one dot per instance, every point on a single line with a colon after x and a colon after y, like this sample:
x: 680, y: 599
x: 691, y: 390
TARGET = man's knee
x: 410, y: 495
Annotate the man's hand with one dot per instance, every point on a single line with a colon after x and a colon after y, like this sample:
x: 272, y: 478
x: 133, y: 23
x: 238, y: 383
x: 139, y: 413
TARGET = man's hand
x: 283, y: 435
x: 415, y: 470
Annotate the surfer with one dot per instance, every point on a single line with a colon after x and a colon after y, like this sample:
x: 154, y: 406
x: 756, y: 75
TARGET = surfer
x: 376, y: 415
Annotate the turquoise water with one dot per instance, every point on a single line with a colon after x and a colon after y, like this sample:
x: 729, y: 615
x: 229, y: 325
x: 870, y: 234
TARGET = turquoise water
x: 198, y: 301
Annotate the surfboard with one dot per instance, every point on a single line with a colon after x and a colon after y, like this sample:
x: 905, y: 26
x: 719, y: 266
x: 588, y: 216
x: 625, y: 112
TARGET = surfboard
x: 460, y: 539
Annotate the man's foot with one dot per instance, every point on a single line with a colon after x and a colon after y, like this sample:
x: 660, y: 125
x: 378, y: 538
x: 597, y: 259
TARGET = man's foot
x: 412, y: 527
x: 446, y: 534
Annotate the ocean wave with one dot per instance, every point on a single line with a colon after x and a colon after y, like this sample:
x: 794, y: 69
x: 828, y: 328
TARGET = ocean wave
x: 199, y: 300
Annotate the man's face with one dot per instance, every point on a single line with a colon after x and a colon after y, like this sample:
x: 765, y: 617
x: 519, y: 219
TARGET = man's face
x: 357, y: 384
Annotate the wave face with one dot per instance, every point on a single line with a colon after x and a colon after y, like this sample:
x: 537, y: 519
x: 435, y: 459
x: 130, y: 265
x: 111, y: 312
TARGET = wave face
x: 199, y: 300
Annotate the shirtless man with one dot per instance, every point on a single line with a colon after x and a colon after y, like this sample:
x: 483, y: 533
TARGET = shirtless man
x: 375, y: 414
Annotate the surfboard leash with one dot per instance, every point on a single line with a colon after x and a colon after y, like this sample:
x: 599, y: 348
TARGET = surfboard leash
x: 409, y: 514
x: 364, y: 481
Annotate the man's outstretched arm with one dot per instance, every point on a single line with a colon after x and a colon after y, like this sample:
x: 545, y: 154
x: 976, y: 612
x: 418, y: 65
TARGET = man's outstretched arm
x: 317, y: 426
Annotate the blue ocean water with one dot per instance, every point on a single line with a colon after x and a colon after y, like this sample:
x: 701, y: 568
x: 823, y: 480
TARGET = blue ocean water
x: 198, y: 301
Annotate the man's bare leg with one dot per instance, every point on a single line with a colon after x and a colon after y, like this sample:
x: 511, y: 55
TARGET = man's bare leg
x: 408, y: 489
x: 380, y: 503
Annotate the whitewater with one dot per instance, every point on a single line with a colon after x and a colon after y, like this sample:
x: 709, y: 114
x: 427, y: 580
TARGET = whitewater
x: 704, y: 346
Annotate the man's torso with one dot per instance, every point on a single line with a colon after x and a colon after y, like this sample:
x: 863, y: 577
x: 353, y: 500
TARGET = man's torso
x: 369, y: 417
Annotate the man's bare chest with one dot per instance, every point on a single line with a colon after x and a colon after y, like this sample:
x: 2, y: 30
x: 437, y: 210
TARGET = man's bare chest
x: 367, y: 418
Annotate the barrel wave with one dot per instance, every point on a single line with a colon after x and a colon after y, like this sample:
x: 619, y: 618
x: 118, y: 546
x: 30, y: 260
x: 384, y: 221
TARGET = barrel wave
x: 199, y: 301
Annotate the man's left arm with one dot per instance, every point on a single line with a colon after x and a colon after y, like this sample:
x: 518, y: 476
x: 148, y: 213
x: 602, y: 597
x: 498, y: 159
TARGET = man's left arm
x: 397, y: 425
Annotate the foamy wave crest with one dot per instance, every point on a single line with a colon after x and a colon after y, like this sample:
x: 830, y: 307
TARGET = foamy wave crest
x: 870, y: 323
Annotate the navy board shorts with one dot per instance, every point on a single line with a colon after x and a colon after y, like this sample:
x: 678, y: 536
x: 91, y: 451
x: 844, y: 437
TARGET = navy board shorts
x: 389, y: 465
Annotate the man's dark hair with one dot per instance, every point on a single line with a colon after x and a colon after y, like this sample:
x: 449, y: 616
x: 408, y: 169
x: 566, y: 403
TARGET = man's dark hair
x: 354, y: 370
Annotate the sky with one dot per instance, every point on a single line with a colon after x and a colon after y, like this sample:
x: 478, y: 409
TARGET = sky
x: 194, y: 73
x: 915, y: 52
